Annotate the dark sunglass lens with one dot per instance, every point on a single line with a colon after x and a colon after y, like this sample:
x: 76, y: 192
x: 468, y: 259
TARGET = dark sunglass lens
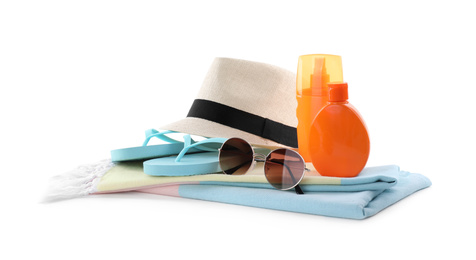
x: 236, y: 156
x: 284, y: 168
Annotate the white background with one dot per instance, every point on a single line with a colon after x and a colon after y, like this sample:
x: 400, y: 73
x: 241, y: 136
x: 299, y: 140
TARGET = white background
x: 79, y: 78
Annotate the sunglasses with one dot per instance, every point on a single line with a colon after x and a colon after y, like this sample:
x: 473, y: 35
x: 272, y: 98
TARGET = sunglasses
x: 283, y: 168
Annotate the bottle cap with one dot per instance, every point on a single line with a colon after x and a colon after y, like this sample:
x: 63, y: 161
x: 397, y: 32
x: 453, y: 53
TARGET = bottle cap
x: 338, y: 92
x: 315, y: 71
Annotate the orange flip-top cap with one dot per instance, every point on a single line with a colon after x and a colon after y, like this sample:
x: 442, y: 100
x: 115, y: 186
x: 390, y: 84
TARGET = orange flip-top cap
x: 338, y: 92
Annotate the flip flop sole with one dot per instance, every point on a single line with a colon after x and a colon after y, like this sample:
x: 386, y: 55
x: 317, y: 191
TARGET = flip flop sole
x: 190, y: 164
x: 146, y: 152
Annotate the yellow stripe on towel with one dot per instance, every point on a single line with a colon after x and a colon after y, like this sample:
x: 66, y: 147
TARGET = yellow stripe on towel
x: 130, y: 176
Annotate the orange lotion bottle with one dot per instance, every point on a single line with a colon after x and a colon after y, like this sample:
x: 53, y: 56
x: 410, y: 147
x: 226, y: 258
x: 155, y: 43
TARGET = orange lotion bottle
x: 339, y: 141
x: 313, y: 74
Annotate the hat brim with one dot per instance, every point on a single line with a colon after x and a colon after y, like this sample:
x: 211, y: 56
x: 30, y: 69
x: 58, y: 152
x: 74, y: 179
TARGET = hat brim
x: 206, y: 128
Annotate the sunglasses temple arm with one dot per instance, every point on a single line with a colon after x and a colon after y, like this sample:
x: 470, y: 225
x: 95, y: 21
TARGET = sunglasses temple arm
x: 296, y: 188
x: 235, y: 168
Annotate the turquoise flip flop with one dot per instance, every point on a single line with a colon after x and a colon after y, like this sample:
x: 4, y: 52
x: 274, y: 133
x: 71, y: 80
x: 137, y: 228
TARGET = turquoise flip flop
x: 152, y: 151
x: 188, y: 164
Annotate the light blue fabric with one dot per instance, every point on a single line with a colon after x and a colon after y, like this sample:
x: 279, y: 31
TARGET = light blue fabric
x: 357, y: 198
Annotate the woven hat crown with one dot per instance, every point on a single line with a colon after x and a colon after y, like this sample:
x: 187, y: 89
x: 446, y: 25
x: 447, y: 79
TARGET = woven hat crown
x: 257, y: 88
x: 251, y: 100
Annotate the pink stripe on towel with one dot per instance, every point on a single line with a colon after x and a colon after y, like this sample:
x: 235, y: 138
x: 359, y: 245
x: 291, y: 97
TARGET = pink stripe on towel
x: 170, y: 190
x: 167, y: 190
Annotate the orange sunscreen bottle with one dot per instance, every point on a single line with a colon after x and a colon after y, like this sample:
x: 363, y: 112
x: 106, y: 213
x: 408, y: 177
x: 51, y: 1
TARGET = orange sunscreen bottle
x: 313, y: 74
x: 339, y: 140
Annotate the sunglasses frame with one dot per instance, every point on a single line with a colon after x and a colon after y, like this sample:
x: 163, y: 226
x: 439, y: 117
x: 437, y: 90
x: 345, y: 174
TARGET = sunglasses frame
x: 258, y: 157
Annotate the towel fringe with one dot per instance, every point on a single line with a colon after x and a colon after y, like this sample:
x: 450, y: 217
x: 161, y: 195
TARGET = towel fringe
x: 79, y: 182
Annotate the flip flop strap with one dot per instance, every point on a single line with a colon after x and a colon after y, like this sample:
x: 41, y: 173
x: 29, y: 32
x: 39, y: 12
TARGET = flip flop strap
x: 149, y: 133
x: 199, y: 145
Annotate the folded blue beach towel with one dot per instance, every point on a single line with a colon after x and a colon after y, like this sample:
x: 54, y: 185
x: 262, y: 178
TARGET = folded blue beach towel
x: 356, y: 198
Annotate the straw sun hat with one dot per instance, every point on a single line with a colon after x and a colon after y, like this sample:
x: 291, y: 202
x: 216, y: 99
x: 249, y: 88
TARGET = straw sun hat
x: 250, y: 100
